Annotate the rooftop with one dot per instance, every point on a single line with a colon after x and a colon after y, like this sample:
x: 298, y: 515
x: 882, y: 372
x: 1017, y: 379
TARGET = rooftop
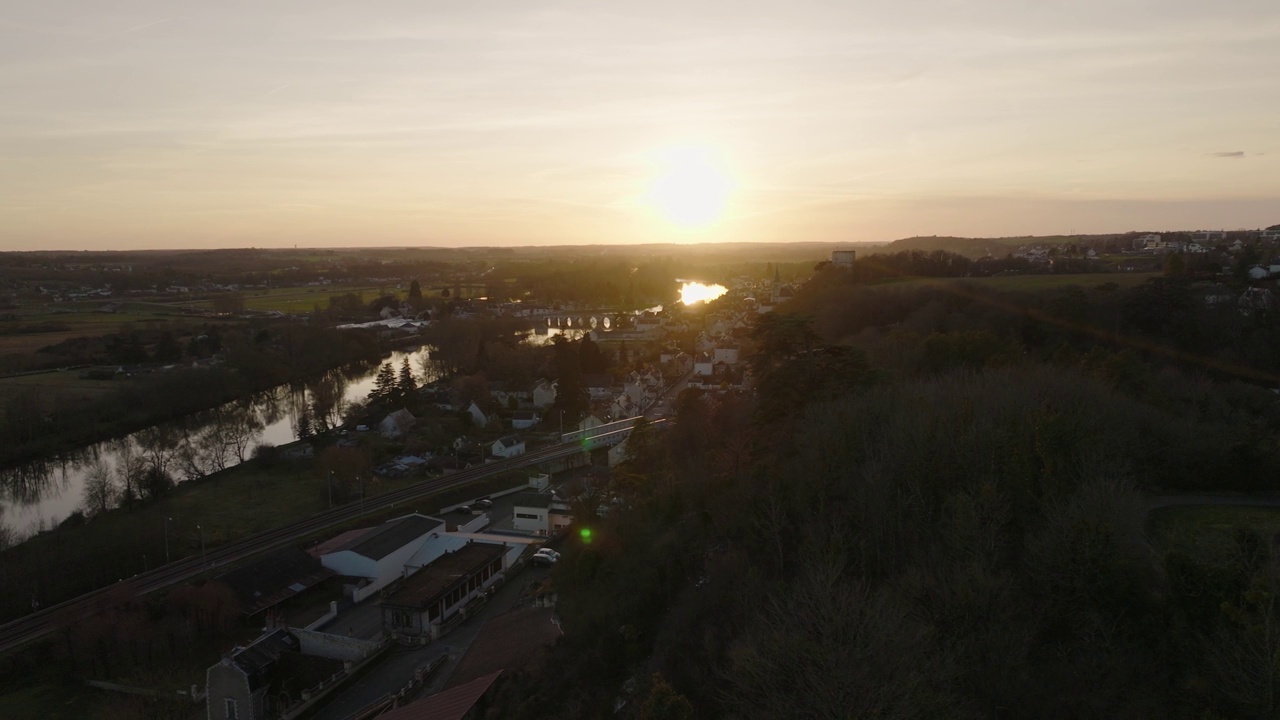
x: 443, y: 573
x: 390, y: 536
x: 452, y: 704
x: 532, y: 499
x: 273, y: 579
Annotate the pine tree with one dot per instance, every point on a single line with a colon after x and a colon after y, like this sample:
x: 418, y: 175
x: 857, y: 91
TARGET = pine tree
x: 406, y: 386
x: 384, y: 386
x: 304, y: 422
x: 415, y: 295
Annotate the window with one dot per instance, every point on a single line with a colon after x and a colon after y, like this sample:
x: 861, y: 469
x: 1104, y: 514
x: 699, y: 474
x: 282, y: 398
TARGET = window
x: 232, y: 711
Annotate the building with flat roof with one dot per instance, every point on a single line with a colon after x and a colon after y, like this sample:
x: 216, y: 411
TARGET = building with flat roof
x: 443, y: 588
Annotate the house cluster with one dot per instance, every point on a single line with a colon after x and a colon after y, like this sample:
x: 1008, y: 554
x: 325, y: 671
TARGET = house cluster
x: 422, y: 576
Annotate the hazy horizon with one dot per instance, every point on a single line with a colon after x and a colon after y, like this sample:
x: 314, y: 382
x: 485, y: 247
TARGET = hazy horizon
x: 186, y: 125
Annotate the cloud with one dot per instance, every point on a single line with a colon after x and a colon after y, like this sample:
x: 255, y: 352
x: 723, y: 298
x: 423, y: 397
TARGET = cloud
x: 1231, y: 154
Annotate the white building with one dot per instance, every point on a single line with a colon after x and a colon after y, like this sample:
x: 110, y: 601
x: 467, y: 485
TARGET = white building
x: 478, y: 418
x: 507, y: 447
x: 378, y: 555
x: 524, y: 419
x: 843, y: 258
x: 541, y: 513
x: 544, y: 393
x: 727, y: 354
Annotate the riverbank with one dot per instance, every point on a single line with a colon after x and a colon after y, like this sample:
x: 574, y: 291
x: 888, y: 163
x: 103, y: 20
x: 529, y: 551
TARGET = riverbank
x: 196, y: 516
x: 259, y: 359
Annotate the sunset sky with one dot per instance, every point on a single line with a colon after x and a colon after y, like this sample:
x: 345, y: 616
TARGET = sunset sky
x: 228, y: 124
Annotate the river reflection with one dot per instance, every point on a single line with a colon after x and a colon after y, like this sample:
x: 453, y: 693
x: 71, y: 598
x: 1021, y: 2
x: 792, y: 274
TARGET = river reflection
x: 42, y: 493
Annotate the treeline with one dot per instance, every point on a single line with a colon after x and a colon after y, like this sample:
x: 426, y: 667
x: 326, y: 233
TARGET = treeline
x: 961, y: 534
x: 256, y: 359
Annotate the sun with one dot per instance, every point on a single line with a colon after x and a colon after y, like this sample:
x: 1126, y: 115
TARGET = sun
x: 690, y: 189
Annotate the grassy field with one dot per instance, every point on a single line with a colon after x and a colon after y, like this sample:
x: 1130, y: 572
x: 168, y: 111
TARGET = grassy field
x: 57, y: 387
x: 1208, y: 526
x: 222, y: 508
x: 299, y: 299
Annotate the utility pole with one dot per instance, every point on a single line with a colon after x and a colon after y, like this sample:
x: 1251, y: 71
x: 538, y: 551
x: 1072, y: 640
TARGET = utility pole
x: 330, y: 488
x: 360, y: 478
x: 167, y: 520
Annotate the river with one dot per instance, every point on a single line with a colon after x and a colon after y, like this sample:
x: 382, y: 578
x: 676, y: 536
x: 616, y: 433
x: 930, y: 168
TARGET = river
x: 41, y: 494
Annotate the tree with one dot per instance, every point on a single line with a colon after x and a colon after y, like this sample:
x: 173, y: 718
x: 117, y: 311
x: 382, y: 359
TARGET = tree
x: 99, y: 488
x: 1175, y: 265
x: 415, y: 295
x: 167, y: 350
x: 623, y: 358
x: 304, y: 422
x: 384, y: 385
x: 406, y: 385
x: 664, y: 703
x: 591, y: 360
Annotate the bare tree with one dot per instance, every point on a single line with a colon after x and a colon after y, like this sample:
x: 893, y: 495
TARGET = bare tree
x: 99, y: 488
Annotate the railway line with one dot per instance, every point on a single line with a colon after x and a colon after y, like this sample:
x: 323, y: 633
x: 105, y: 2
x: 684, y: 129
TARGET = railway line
x: 37, y: 625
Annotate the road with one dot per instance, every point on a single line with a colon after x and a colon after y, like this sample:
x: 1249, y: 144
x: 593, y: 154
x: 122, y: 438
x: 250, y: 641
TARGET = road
x: 19, y: 632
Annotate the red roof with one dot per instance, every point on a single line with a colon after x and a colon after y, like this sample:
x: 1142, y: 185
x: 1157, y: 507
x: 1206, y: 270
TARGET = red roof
x: 451, y: 704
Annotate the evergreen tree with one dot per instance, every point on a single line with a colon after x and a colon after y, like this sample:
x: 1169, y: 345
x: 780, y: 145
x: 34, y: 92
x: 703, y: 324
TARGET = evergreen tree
x: 406, y: 385
x: 572, y: 398
x: 415, y: 295
x: 304, y: 422
x: 590, y: 358
x: 384, y: 386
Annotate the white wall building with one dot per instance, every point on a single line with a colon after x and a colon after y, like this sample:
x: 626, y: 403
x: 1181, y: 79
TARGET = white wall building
x: 507, y: 447
x: 379, y: 554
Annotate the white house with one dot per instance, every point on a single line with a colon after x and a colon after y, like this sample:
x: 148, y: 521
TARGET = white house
x: 544, y: 393
x: 397, y: 424
x: 379, y: 554
x: 702, y: 365
x: 524, y: 419
x: 1257, y: 272
x: 478, y: 418
x: 726, y: 354
x: 599, y: 386
x: 507, y: 447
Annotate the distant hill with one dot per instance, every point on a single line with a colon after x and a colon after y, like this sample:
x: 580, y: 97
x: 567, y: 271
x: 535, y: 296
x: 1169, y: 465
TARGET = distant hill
x: 979, y: 247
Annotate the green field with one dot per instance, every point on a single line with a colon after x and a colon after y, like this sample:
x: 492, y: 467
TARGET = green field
x: 298, y: 299
x: 1208, y: 526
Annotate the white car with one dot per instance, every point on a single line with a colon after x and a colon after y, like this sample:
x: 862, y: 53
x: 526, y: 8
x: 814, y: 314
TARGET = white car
x: 545, y: 556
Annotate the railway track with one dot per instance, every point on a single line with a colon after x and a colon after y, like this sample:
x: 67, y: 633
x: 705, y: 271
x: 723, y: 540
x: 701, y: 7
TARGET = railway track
x: 37, y: 625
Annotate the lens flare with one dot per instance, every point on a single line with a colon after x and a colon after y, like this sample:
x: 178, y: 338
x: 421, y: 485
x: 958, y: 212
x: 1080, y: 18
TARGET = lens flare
x: 695, y: 292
